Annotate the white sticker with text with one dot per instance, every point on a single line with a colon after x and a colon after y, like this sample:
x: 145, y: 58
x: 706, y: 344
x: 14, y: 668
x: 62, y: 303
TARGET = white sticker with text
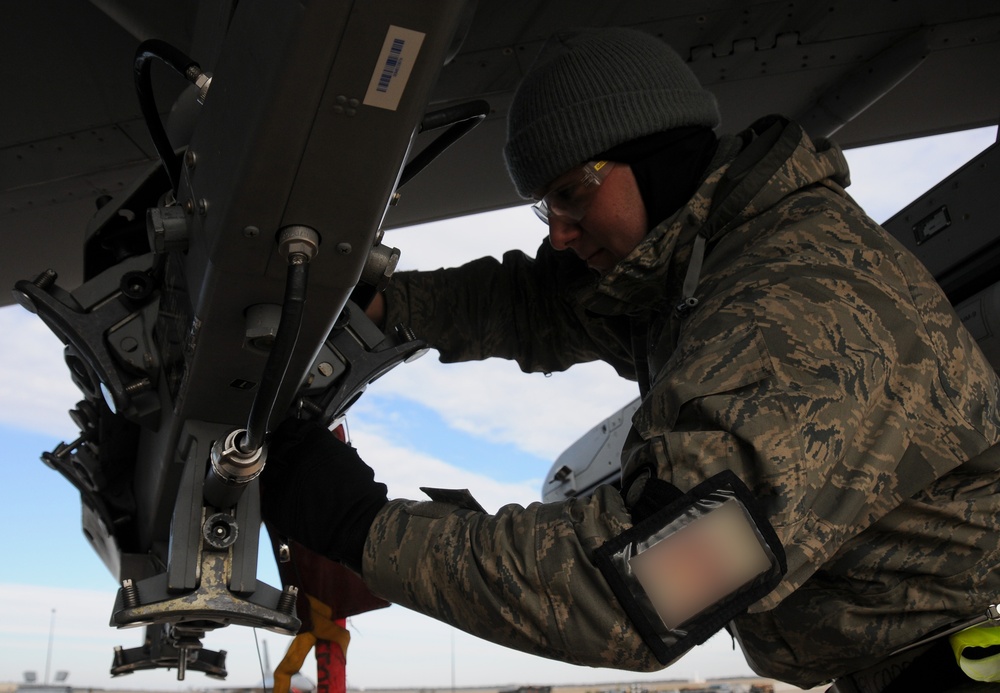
x: 392, y: 71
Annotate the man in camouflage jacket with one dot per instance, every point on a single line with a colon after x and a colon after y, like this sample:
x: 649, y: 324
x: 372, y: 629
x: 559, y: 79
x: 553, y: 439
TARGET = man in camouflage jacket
x: 775, y: 331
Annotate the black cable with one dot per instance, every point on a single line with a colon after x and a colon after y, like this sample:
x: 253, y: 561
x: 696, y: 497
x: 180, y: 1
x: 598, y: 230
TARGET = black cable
x: 462, y: 118
x: 163, y: 51
x: 281, y: 352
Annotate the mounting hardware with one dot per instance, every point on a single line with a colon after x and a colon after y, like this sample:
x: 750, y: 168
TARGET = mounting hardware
x: 220, y: 531
x: 231, y: 464
x: 298, y: 240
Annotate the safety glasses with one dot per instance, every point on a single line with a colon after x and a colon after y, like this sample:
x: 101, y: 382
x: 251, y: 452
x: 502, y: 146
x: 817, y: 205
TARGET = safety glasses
x: 569, y: 200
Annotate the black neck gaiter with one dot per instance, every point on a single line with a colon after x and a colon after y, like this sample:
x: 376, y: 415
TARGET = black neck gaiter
x: 668, y: 167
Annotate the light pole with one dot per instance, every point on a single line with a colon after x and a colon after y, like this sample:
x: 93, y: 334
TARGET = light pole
x: 48, y: 657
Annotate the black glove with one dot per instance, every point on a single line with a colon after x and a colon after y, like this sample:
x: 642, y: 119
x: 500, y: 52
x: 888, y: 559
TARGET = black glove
x: 316, y: 490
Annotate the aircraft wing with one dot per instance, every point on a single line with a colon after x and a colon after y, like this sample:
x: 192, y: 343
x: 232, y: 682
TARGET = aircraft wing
x: 869, y: 71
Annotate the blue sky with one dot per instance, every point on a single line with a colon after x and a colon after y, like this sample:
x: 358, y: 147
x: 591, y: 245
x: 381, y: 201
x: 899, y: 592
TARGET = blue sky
x: 484, y: 426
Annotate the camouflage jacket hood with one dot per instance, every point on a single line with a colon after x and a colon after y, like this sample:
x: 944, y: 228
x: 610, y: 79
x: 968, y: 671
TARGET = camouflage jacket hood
x: 758, y: 168
x: 656, y: 283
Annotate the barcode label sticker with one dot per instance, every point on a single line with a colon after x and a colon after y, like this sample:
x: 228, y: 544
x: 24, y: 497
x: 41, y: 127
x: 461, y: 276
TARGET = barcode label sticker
x: 392, y: 71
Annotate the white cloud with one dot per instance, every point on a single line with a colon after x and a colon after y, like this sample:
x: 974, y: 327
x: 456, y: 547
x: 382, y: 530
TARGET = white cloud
x: 453, y: 242
x: 405, y: 471
x: 495, y: 401
x: 35, y: 387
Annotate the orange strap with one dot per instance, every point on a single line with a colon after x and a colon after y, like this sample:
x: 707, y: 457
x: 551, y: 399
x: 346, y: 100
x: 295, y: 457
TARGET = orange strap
x: 323, y: 629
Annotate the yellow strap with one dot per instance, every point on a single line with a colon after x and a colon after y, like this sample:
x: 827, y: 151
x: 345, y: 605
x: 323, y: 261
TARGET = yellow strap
x: 987, y: 669
x: 324, y: 628
x: 292, y: 662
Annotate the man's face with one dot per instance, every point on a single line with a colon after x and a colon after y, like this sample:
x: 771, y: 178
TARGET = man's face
x: 613, y: 223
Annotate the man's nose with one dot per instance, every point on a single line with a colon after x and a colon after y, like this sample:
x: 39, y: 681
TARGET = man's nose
x: 562, y: 233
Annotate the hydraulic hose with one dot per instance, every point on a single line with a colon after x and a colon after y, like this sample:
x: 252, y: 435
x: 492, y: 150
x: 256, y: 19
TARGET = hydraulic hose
x: 163, y: 51
x: 281, y: 352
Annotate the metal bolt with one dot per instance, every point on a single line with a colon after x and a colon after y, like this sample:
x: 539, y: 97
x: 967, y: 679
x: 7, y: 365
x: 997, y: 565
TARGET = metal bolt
x: 284, y: 553
x: 46, y: 279
x: 137, y: 386
x: 64, y: 449
x: 182, y: 660
x: 344, y: 248
x: 406, y: 333
x: 191, y: 159
x: 251, y: 232
x: 189, y: 206
x: 286, y: 602
x: 310, y: 407
x: 202, y: 206
x: 203, y: 82
x: 325, y: 369
x: 130, y: 594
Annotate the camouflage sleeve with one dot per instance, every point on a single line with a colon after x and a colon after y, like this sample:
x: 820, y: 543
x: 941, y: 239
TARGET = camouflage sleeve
x: 522, y: 578
x: 523, y: 309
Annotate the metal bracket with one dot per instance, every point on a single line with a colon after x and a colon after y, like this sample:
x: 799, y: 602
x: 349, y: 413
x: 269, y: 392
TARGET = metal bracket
x: 210, y: 602
x: 367, y: 353
x: 166, y: 648
x: 84, y: 330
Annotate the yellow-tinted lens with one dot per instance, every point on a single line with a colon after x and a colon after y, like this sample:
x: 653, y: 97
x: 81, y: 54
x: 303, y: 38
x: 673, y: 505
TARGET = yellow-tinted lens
x: 571, y: 200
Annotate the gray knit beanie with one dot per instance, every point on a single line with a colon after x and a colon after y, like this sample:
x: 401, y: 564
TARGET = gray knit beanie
x: 601, y: 88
